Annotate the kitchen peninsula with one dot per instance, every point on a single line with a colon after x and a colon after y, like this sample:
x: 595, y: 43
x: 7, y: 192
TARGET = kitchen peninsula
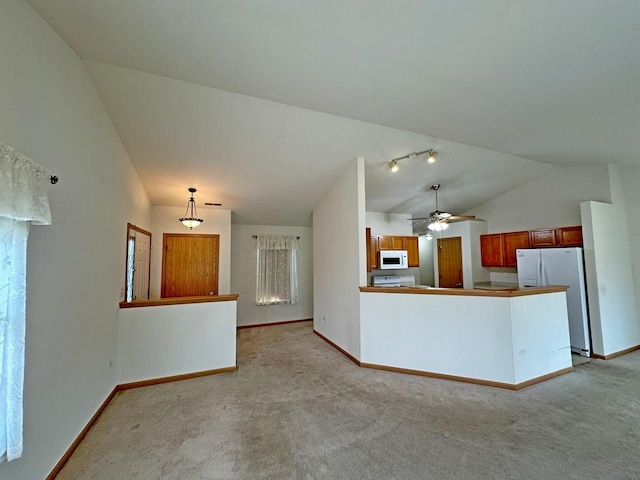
x: 509, y: 338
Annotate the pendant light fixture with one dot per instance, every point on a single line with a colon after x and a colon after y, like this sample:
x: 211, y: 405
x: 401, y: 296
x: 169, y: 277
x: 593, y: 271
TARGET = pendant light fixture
x: 190, y: 218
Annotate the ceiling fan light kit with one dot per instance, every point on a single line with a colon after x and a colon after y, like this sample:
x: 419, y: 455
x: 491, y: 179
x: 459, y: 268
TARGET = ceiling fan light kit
x: 190, y: 218
x: 393, y: 164
x: 439, y: 221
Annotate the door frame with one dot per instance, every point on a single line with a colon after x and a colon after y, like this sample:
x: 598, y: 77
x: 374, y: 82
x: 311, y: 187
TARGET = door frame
x: 131, y: 226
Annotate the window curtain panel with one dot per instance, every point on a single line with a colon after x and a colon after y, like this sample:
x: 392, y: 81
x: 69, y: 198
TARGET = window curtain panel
x: 23, y: 200
x: 277, y: 270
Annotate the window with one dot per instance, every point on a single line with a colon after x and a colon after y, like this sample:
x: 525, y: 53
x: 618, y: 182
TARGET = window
x: 277, y: 270
x: 23, y: 201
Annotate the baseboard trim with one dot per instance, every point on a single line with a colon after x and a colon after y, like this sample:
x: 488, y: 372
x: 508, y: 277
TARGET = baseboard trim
x: 275, y: 323
x: 341, y: 350
x: 476, y: 381
x: 56, y: 470
x: 175, y: 378
x: 126, y: 386
x: 616, y: 354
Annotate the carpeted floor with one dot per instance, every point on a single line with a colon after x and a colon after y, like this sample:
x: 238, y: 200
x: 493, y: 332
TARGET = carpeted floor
x: 298, y: 409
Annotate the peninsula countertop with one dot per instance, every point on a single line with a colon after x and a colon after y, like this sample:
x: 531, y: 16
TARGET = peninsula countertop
x: 467, y: 292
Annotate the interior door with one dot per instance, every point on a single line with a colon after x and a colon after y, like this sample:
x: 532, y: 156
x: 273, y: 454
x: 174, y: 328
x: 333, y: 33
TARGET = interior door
x: 450, y: 262
x: 141, y: 266
x: 189, y: 265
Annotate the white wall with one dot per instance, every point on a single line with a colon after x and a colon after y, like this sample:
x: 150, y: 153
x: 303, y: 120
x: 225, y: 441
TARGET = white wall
x: 243, y: 275
x: 427, y: 269
x: 167, y: 340
x: 165, y: 220
x: 470, y: 232
x: 630, y: 178
x: 389, y: 223
x: 50, y: 111
x: 549, y: 201
x: 339, y: 259
x: 611, y: 292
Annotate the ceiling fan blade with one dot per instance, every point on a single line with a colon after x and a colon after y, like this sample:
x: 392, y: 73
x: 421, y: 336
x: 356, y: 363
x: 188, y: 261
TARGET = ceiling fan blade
x: 418, y: 218
x: 458, y: 218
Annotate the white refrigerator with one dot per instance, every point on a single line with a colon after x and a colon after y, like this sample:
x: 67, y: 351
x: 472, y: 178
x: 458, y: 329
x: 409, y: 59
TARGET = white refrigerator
x: 560, y: 266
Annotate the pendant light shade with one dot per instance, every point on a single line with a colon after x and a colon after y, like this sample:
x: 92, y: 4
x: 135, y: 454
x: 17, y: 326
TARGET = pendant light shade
x: 190, y: 218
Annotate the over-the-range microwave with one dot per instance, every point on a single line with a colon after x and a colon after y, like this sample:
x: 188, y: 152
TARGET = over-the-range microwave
x: 393, y: 259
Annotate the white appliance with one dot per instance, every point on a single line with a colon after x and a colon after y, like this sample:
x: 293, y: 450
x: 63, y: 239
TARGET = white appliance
x: 385, y: 281
x: 393, y: 259
x: 560, y: 266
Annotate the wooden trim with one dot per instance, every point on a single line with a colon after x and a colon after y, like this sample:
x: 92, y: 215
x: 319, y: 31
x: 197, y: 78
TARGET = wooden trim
x: 126, y: 254
x: 616, y: 354
x: 548, y: 376
x: 517, y: 292
x: 126, y: 386
x: 175, y: 378
x: 274, y: 323
x: 477, y: 381
x: 341, y: 350
x: 180, y: 301
x: 81, y: 435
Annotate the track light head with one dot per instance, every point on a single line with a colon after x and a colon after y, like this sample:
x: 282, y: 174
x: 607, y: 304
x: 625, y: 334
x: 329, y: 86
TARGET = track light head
x: 393, y: 165
x: 432, y: 156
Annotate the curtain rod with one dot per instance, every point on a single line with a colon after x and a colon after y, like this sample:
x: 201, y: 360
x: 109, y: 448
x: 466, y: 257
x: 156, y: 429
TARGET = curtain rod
x: 256, y: 236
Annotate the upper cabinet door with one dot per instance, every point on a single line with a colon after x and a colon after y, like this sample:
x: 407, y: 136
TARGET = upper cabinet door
x: 413, y: 253
x: 513, y: 241
x: 492, y: 250
x: 385, y: 242
x: 569, y: 236
x: 543, y: 238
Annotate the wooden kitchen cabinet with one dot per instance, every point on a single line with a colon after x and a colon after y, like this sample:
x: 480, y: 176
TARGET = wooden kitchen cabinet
x: 492, y: 250
x: 513, y: 241
x: 393, y: 242
x: 569, y: 236
x: 385, y: 242
x: 372, y: 253
x: 413, y: 252
x: 543, y: 238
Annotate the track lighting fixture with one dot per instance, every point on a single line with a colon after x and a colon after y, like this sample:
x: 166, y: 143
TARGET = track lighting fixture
x: 393, y: 164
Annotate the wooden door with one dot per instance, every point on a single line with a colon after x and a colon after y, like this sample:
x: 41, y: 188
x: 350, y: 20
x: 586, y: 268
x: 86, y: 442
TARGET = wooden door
x: 450, y: 262
x: 189, y: 264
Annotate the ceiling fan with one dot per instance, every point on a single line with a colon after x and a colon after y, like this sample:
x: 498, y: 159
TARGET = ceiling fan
x: 437, y: 220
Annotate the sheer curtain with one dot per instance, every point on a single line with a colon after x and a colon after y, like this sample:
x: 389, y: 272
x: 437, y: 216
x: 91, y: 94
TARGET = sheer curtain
x: 23, y: 200
x: 277, y: 270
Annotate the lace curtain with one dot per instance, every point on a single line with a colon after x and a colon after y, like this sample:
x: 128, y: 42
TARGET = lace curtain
x: 277, y: 270
x: 23, y: 200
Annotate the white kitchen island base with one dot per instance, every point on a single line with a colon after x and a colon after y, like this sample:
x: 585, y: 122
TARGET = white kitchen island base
x: 509, y: 339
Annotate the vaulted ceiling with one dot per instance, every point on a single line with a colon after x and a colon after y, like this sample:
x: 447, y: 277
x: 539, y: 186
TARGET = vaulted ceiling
x: 260, y: 104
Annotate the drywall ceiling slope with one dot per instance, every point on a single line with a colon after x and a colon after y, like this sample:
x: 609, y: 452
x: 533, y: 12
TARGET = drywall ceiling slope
x: 271, y: 163
x: 545, y: 80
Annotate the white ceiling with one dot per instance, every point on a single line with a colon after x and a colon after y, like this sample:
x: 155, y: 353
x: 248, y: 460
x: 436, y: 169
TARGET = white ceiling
x: 191, y: 87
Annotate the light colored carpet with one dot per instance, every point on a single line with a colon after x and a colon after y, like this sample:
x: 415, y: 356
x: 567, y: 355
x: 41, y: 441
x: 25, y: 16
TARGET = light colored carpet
x: 298, y: 409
